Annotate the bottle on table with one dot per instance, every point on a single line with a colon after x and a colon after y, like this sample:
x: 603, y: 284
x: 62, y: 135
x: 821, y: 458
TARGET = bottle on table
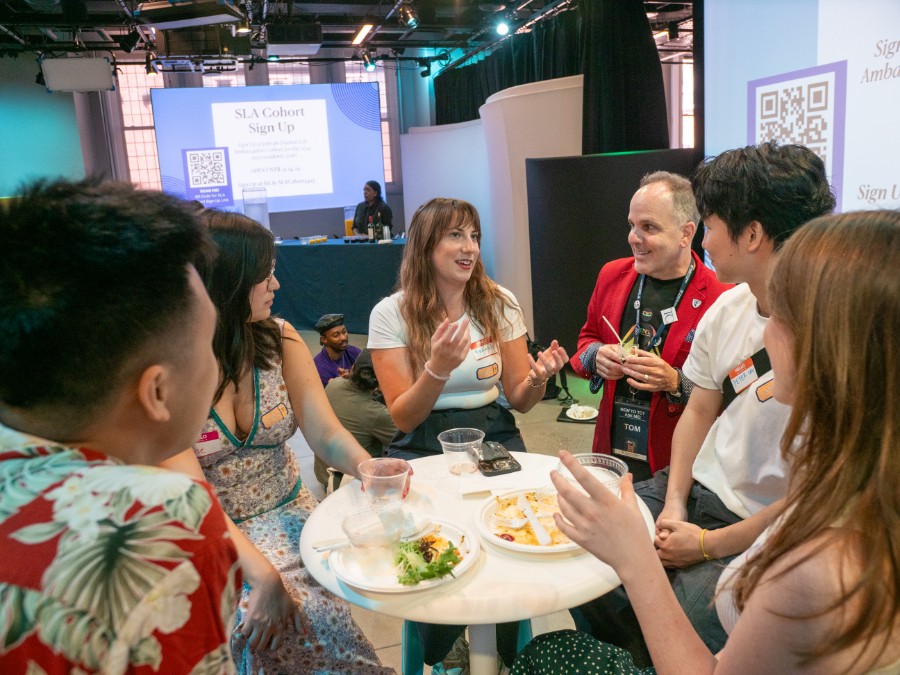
x: 371, y: 230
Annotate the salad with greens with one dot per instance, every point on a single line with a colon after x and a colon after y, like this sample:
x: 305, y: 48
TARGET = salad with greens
x: 430, y: 557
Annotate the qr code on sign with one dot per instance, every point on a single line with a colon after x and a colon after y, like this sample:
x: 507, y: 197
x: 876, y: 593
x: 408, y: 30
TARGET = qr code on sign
x: 806, y: 107
x: 206, y: 168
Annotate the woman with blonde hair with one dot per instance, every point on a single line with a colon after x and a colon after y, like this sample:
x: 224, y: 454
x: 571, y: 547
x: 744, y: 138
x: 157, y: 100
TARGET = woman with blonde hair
x: 819, y: 591
x: 443, y: 342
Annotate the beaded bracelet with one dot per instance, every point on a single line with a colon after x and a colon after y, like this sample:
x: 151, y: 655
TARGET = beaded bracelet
x: 440, y: 378
x: 535, y: 384
x: 706, y: 555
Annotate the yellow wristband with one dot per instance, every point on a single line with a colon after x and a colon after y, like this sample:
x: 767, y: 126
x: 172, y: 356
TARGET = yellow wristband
x: 706, y: 555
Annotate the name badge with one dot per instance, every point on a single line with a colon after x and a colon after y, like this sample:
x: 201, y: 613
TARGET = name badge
x: 483, y: 348
x: 631, y: 428
x: 743, y: 375
x: 274, y: 416
x: 669, y: 315
x: 208, y: 444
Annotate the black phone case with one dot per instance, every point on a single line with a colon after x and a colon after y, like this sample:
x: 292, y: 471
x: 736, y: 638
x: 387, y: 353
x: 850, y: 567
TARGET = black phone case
x: 496, y: 460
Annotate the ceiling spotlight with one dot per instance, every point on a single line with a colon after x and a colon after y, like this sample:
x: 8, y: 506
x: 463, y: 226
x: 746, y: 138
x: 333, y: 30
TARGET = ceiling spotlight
x: 130, y: 41
x: 148, y: 63
x: 39, y: 79
x: 243, y: 26
x: 369, y: 61
x: 502, y: 27
x: 426, y: 71
x: 407, y: 15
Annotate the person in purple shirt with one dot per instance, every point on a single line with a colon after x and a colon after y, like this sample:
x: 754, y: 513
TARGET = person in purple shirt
x: 337, y: 353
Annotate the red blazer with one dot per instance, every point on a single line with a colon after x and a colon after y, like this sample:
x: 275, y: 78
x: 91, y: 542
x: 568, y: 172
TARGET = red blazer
x: 610, y: 295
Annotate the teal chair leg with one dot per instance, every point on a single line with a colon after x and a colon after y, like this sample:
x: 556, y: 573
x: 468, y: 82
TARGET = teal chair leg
x: 412, y: 654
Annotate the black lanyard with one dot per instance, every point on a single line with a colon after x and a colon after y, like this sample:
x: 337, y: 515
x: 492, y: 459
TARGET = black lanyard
x: 660, y: 334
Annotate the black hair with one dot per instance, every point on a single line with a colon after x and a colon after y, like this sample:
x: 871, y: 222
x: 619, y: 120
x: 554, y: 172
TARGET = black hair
x: 362, y: 376
x: 375, y: 185
x: 246, y: 252
x: 94, y: 287
x: 780, y: 186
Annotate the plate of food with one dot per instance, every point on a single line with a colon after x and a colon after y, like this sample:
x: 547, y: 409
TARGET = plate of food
x: 581, y: 412
x: 501, y: 521
x: 436, y: 558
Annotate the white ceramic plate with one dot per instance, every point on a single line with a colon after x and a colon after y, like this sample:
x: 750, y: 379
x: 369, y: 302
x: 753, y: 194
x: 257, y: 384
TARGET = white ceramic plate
x: 489, y: 507
x: 347, y: 570
x: 585, y: 412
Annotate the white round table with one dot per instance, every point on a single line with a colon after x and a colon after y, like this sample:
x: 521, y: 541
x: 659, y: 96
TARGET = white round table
x: 501, y: 586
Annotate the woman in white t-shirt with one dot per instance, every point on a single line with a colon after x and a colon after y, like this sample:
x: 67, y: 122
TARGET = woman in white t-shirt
x: 819, y: 591
x: 440, y: 346
x: 442, y: 342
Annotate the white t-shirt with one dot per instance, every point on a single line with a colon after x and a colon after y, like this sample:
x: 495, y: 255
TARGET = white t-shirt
x: 740, y: 459
x: 473, y: 383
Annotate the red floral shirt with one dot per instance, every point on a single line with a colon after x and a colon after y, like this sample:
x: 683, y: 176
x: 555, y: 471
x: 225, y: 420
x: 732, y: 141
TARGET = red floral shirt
x: 104, y: 566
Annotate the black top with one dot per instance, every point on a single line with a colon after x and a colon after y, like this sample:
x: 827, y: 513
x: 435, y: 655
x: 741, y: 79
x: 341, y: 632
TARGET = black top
x: 378, y: 210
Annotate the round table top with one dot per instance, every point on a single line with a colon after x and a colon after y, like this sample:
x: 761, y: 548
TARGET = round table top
x: 502, y: 585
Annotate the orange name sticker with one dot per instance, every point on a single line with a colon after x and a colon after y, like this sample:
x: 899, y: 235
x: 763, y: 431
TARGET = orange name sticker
x: 483, y: 348
x: 487, y: 371
x: 274, y: 416
x: 743, y: 375
x: 765, y: 391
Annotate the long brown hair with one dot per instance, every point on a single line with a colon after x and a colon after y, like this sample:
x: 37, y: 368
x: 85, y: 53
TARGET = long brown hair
x: 421, y: 307
x: 835, y: 286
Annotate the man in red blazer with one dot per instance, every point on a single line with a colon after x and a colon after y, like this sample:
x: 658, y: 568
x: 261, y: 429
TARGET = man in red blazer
x: 653, y: 302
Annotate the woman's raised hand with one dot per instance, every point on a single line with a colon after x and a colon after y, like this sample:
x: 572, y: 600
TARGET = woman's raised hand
x: 449, y: 346
x: 548, y: 362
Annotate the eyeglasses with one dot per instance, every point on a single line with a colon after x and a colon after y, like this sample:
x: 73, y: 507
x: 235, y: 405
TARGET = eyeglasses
x: 269, y: 278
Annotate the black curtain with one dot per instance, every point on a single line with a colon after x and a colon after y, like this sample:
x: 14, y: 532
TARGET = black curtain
x: 624, y: 98
x: 552, y: 49
x: 609, y: 41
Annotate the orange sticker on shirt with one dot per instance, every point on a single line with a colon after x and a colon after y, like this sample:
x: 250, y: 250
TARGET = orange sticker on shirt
x: 765, y: 391
x: 274, y: 416
x: 483, y: 348
x: 487, y: 371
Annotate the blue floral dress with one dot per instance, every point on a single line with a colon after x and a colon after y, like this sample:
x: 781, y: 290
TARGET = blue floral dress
x: 258, y: 483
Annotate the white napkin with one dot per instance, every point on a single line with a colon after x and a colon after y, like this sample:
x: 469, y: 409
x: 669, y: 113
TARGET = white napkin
x: 472, y: 483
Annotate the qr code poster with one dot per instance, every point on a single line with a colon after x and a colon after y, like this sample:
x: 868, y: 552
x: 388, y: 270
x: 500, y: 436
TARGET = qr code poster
x: 207, y: 176
x: 807, y: 107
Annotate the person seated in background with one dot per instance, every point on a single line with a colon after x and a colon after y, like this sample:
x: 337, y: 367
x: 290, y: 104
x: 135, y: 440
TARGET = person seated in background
x: 106, y: 368
x: 441, y: 344
x: 267, y: 388
x: 372, y: 209
x: 359, y: 405
x: 819, y: 589
x: 726, y: 480
x: 654, y: 301
x: 337, y: 354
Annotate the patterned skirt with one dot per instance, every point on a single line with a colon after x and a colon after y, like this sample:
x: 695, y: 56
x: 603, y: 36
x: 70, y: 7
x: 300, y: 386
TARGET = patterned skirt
x: 334, y: 643
x: 570, y: 652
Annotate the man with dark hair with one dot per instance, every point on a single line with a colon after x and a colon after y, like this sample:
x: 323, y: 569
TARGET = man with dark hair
x: 337, y: 355
x: 106, y: 369
x: 654, y: 301
x: 727, y: 479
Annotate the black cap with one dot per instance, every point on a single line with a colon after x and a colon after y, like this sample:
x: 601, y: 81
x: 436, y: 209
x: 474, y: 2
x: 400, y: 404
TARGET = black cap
x: 329, y: 321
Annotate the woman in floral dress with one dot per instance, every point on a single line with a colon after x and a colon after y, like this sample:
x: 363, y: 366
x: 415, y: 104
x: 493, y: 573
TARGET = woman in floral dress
x: 287, y: 622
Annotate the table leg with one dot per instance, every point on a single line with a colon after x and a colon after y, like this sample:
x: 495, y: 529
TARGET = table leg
x: 483, y: 649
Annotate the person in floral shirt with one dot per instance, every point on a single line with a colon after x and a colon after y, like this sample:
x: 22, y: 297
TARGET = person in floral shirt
x: 109, y: 564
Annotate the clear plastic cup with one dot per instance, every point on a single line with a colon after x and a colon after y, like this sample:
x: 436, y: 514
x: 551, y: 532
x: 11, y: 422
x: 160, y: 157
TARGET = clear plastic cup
x: 374, y: 536
x: 607, y: 469
x: 384, y: 479
x: 461, y: 449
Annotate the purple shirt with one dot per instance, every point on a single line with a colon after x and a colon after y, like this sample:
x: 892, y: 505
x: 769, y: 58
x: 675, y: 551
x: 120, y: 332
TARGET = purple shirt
x: 328, y: 369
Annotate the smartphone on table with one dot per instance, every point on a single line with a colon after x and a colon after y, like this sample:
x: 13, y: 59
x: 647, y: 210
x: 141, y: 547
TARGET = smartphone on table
x: 495, y: 460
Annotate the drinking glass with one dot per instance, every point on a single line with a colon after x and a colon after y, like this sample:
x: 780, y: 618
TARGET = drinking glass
x: 374, y: 536
x: 384, y: 479
x: 461, y: 449
x: 256, y: 205
x: 607, y: 469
